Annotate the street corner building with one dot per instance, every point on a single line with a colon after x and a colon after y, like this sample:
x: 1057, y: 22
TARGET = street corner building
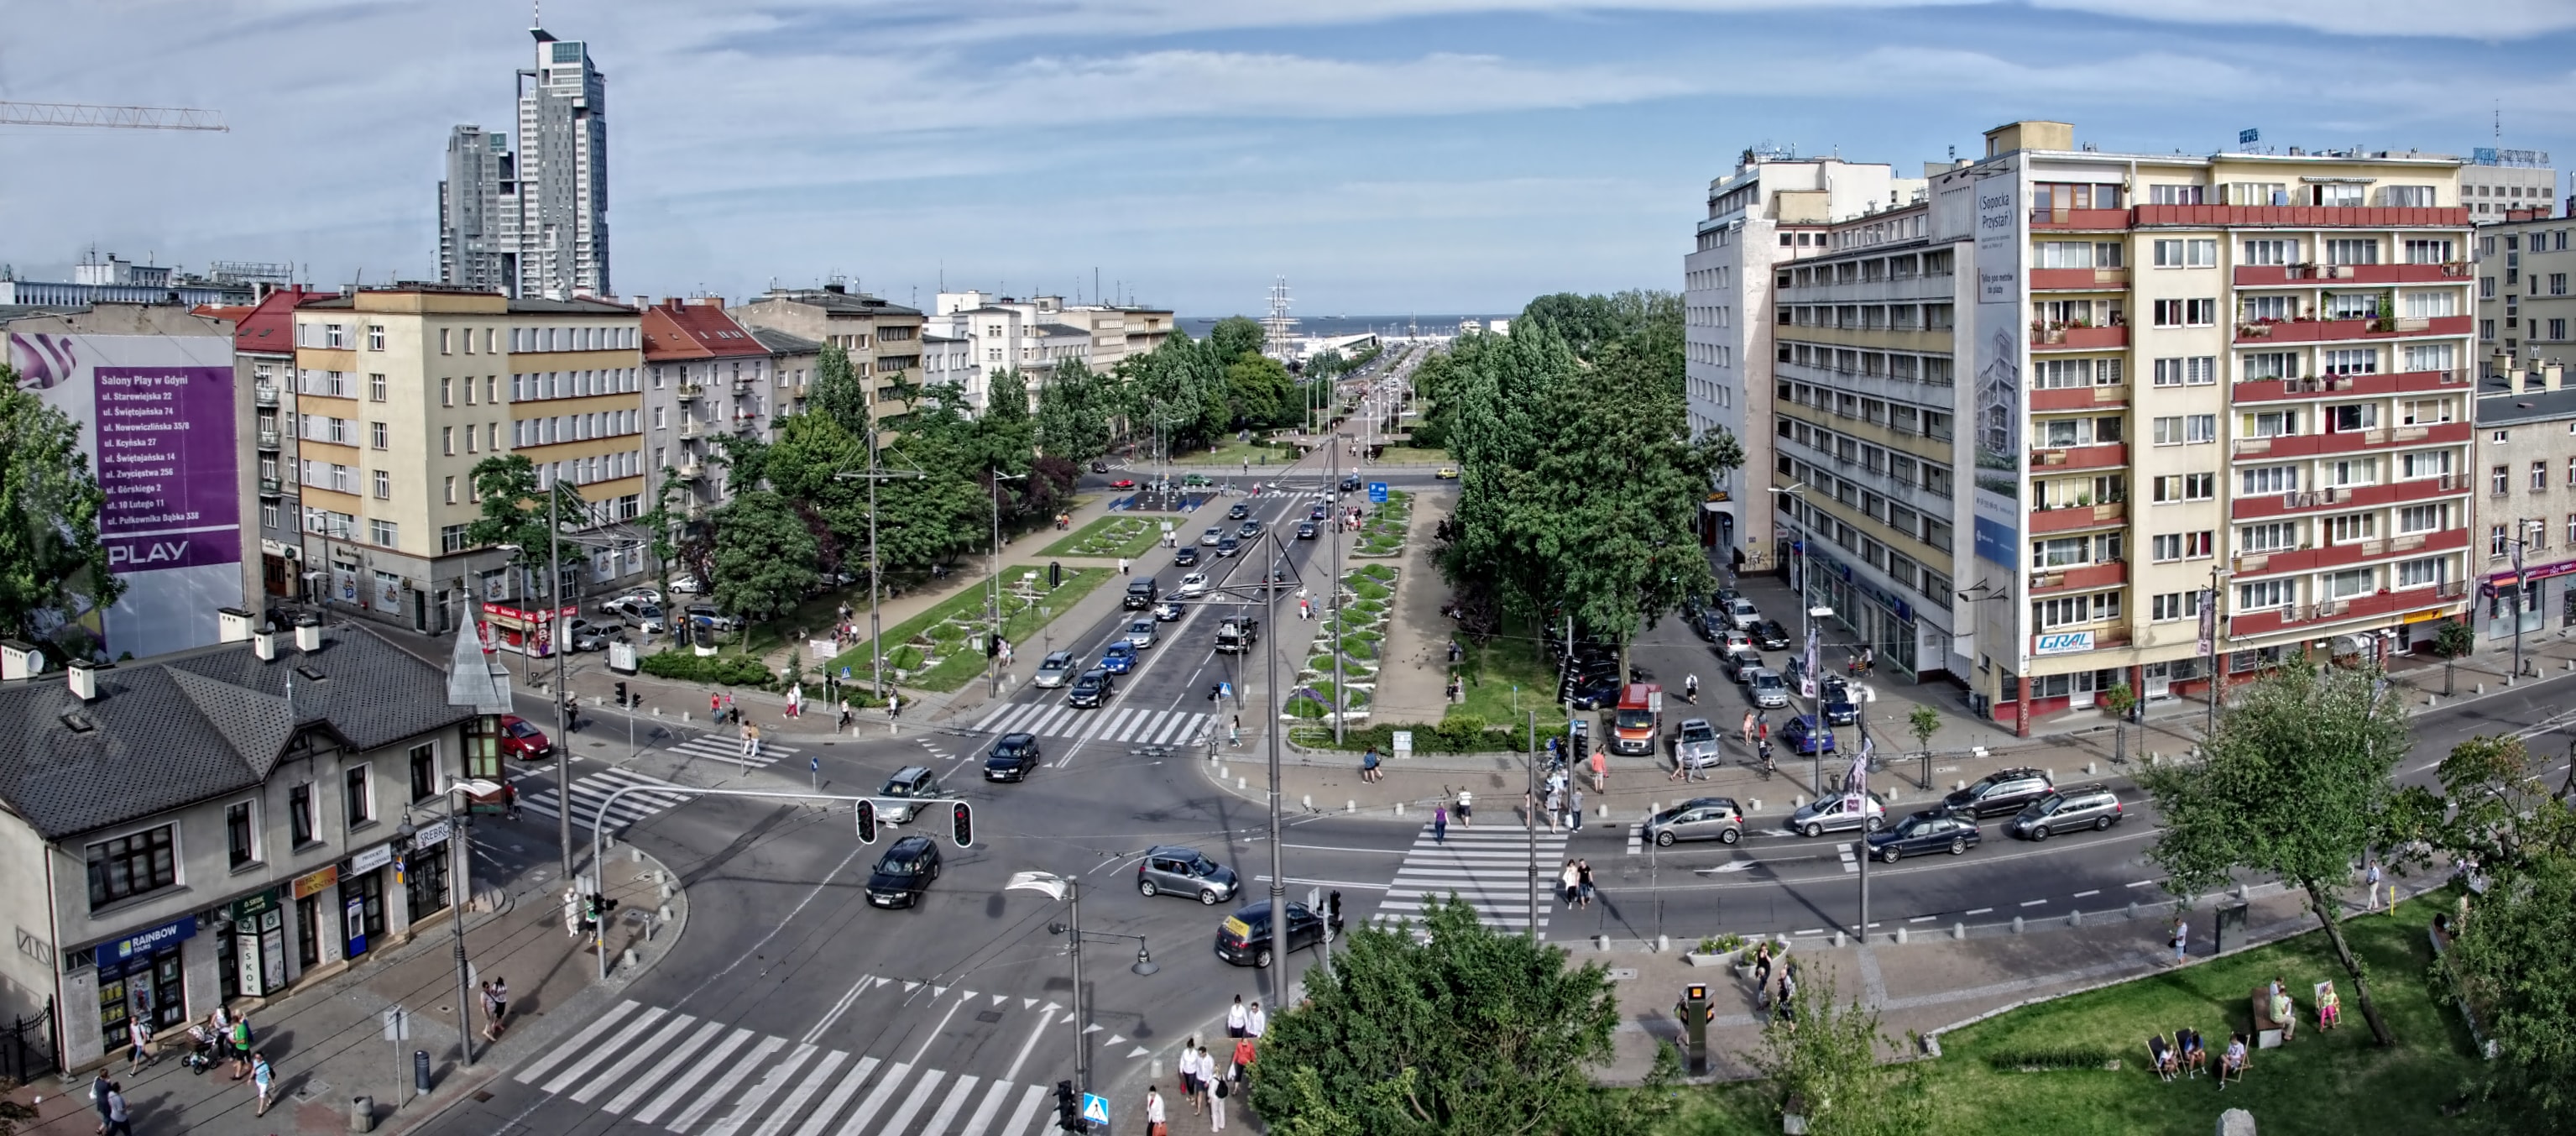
x: 216, y: 826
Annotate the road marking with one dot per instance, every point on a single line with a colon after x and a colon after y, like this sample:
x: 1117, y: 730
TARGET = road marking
x: 1030, y: 1103
x: 1809, y: 931
x: 768, y: 1087
x: 983, y: 1118
x: 2032, y: 902
x: 1328, y: 883
x: 920, y: 1095
x: 1343, y: 848
x: 2141, y: 884
x: 1979, y: 911
x: 1923, y: 919
x: 865, y: 982
x: 722, y: 1087
x: 1031, y: 1043
x: 956, y: 1099
x: 934, y: 1033
x: 581, y: 1041
x: 821, y: 1121
x: 2083, y: 894
x: 681, y: 1054
x: 671, y: 1028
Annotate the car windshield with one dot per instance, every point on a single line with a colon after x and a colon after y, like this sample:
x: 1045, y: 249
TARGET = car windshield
x: 2051, y: 803
x: 897, y: 787
x: 891, y: 866
x: 1058, y: 661
x: 1983, y: 786
x: 1768, y: 681
x: 1918, y: 826
x: 1698, y: 734
x: 1635, y: 719
x: 522, y: 729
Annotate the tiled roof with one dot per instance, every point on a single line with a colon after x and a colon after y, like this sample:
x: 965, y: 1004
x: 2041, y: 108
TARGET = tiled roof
x: 176, y: 729
x: 680, y: 332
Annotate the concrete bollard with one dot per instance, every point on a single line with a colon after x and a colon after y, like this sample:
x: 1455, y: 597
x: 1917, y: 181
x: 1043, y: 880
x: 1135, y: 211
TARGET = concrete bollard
x: 655, y: 875
x: 657, y: 711
x: 1663, y: 944
x: 2133, y: 910
x: 1798, y: 801
x: 1399, y: 808
x: 626, y: 959
x: 1238, y: 784
x: 1959, y: 931
x: 664, y: 914
x: 1753, y: 806
x: 1838, y: 938
x: 684, y: 715
x: 1308, y: 801
x: 1154, y: 1069
x: 1900, y: 936
x: 2092, y: 769
x: 2482, y: 688
x: 2052, y: 775
x: 1350, y: 806
x: 2432, y: 700
x: 1601, y: 942
x: 1955, y: 786
x: 2016, y: 924
x: 668, y: 891
x: 2075, y: 918
x: 636, y: 854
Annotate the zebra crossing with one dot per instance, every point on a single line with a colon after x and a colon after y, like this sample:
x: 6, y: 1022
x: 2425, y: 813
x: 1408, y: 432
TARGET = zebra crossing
x: 649, y: 795
x: 728, y: 749
x: 1117, y: 724
x: 1489, y: 868
x: 692, y: 1075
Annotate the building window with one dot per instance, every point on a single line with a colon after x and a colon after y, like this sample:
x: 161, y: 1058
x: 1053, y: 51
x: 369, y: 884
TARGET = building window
x: 133, y: 865
x: 2263, y: 594
x: 2187, y: 254
x: 2500, y: 480
x: 424, y: 772
x: 378, y: 437
x: 2170, y: 606
x: 451, y: 486
x: 447, y: 391
x: 375, y: 337
x: 241, y: 835
x: 2539, y: 476
x: 2496, y: 541
x: 447, y: 442
x: 443, y: 336
x: 356, y: 799
x: 451, y: 539
x: 375, y: 388
x: 384, y: 480
x: 384, y: 533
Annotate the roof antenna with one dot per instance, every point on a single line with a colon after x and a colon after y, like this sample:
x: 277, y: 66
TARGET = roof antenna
x: 536, y: 14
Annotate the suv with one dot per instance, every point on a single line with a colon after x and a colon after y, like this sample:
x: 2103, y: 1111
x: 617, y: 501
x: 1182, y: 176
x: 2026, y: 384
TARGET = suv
x: 1244, y: 937
x: 2092, y: 806
x: 1141, y: 594
x: 2003, y: 791
x: 1012, y: 758
x: 904, y: 873
x: 1700, y: 818
x: 912, y: 782
x: 1169, y: 869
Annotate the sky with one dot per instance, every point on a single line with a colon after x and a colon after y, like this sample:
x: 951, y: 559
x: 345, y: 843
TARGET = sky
x: 1384, y: 156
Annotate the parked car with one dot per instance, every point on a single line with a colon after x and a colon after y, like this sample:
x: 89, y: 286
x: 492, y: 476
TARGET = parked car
x: 1012, y: 758
x: 2002, y: 792
x: 631, y: 605
x: 1703, y: 623
x: 1805, y: 738
x: 1700, y: 818
x: 1696, y: 746
x: 1741, y: 613
x: 1140, y: 634
x: 1090, y: 690
x: 1186, y: 557
x: 904, y: 873
x: 1056, y: 669
x: 687, y: 583
x: 521, y: 739
x: 1770, y: 636
x: 1118, y: 658
x: 1169, y: 869
x: 909, y: 784
x: 1838, y: 813
x: 1730, y: 639
x: 1245, y: 938
x: 1446, y: 473
x: 1588, y: 692
x: 1212, y: 535
x: 645, y: 617
x: 1739, y: 665
x: 2064, y: 810
x: 1238, y: 512
x: 588, y: 636
x: 1196, y: 583
x: 1099, y: 466
x: 1167, y: 611
x: 1768, y: 691
x: 1934, y: 830
x: 711, y: 618
x: 1834, y: 696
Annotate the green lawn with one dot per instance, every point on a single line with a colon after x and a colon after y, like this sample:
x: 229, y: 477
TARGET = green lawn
x: 1115, y: 535
x: 1491, y: 671
x: 955, y: 621
x: 2320, y: 1084
x: 1233, y: 454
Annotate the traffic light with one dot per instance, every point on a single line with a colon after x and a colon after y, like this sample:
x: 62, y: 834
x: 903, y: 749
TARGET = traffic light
x: 961, y: 822
x: 1582, y: 746
x: 621, y: 695
x: 992, y: 646
x: 1068, y: 1108
x: 867, y: 822
x: 1333, y: 905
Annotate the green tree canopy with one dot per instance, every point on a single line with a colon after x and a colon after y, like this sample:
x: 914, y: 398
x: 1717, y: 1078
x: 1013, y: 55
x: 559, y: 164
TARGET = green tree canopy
x: 2510, y: 959
x: 1827, y: 1054
x: 52, y: 566
x: 837, y: 392
x: 1076, y: 410
x: 514, y: 513
x: 1234, y: 336
x: 763, y: 555
x: 1258, y: 393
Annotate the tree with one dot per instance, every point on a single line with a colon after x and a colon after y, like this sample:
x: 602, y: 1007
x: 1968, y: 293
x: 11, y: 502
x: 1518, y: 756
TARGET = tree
x: 52, y: 566
x: 2454, y: 639
x: 1474, y: 1030
x: 2294, y: 782
x: 1923, y: 723
x: 1827, y: 1055
x: 838, y: 393
x: 1234, y: 337
x: 1258, y: 393
x: 514, y: 513
x: 1075, y: 411
x: 763, y: 555
x: 2509, y: 958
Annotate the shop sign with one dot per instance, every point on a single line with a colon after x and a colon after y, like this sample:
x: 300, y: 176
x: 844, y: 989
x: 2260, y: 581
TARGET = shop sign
x: 2061, y: 643
x: 371, y: 859
x: 308, y: 886
x: 249, y: 907
x: 146, y: 942
x: 2424, y: 616
x: 431, y: 836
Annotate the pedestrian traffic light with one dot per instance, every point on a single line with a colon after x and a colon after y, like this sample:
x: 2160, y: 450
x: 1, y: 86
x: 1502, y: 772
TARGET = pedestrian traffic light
x: 1068, y: 1108
x: 621, y: 694
x: 1333, y: 906
x: 867, y: 822
x: 961, y: 820
x: 992, y: 646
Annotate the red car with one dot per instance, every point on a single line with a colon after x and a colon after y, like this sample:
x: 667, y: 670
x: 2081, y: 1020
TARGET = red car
x: 523, y: 740
x: 1123, y: 483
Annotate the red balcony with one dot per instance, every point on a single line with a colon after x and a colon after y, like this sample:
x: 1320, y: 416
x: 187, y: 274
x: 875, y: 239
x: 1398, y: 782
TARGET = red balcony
x: 2346, y: 386
x: 2377, y: 605
x: 2111, y: 220
x: 2079, y: 279
x: 2109, y: 456
x: 2079, y: 338
x: 2079, y: 398
x: 2311, y: 331
x: 2351, y: 441
x: 2457, y: 271
x: 2109, y: 575
x: 2319, y: 216
x: 2075, y: 517
x: 2346, y: 498
x: 2347, y: 555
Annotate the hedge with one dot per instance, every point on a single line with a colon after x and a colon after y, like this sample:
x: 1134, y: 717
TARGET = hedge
x: 1462, y: 733
x: 689, y: 666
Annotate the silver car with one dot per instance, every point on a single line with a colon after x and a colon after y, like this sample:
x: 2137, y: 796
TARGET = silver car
x: 1836, y: 813
x: 1141, y: 633
x: 1769, y: 691
x: 1056, y: 669
x: 2064, y: 810
x: 1700, y: 818
x: 1696, y: 747
x: 1212, y: 536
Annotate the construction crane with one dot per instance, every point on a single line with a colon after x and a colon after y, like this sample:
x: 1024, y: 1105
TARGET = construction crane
x: 110, y: 117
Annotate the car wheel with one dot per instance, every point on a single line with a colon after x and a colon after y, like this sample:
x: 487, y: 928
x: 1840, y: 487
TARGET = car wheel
x: 1730, y: 836
x: 1208, y: 898
x: 1890, y: 855
x: 2101, y: 823
x: 1665, y: 839
x: 2039, y: 833
x: 1958, y: 847
x: 1877, y: 822
x: 1146, y: 888
x: 1814, y: 829
x: 1261, y: 959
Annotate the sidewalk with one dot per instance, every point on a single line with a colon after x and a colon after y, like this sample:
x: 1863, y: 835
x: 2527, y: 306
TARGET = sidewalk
x: 1413, y: 677
x: 326, y: 1042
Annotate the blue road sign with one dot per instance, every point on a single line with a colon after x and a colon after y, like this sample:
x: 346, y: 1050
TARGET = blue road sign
x: 1377, y: 493
x: 1224, y: 690
x: 1095, y: 1108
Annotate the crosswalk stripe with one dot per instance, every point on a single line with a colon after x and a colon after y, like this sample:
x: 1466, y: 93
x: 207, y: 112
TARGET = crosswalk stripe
x: 1120, y: 721
x: 672, y: 1028
x: 1491, y: 871
x: 867, y: 1108
x: 805, y: 1090
x: 920, y: 1096
x: 607, y: 1049
x: 685, y: 1052
x: 677, y: 1081
x: 772, y: 1079
x: 1030, y: 1102
x: 983, y: 1118
x: 578, y: 1043
x: 821, y: 1121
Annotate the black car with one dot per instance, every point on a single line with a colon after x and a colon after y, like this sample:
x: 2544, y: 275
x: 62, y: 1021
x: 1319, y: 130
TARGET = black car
x: 1012, y: 758
x: 1248, y: 530
x: 1228, y: 546
x: 1835, y: 697
x: 1350, y: 483
x: 2000, y: 793
x: 1589, y: 693
x: 1935, y: 830
x: 1770, y: 636
x: 1244, y: 938
x: 904, y: 873
x: 1306, y: 530
x: 1099, y: 467
x: 1090, y: 690
x: 1187, y: 557
x: 1238, y: 512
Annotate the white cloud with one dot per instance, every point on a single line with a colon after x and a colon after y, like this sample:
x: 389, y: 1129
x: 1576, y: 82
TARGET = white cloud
x: 2473, y: 19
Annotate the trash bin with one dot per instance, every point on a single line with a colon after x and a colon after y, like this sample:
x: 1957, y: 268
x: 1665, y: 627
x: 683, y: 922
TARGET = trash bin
x: 2228, y: 931
x: 362, y: 1114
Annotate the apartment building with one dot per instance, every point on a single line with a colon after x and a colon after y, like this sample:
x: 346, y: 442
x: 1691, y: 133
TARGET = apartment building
x: 1774, y: 208
x: 883, y: 338
x: 2496, y: 184
x: 792, y: 360
x: 264, y: 344
x: 707, y: 377
x: 2525, y: 308
x: 1033, y: 335
x: 401, y: 391
x: 2526, y: 501
x: 950, y: 360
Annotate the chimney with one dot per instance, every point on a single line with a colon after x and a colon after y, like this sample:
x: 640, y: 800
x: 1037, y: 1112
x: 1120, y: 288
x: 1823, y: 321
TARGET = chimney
x: 308, y: 634
x: 233, y: 625
x: 18, y: 660
x: 84, y: 679
x: 263, y: 643
x: 2557, y: 376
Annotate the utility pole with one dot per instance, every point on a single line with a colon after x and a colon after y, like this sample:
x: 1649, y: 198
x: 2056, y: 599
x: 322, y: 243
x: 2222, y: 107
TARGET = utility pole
x: 1333, y: 584
x: 563, y: 708
x: 876, y: 634
x: 1530, y: 821
x: 993, y: 647
x: 1272, y: 707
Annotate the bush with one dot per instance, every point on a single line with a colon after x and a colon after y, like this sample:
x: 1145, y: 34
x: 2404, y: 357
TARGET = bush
x: 688, y: 666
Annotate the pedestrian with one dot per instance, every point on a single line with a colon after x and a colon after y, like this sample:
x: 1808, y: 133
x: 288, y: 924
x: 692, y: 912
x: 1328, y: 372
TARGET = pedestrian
x: 744, y: 732
x: 1748, y: 727
x: 1234, y: 733
x: 1574, y: 811
x: 1255, y: 1023
x: 1583, y: 880
x: 845, y: 713
x: 1368, y: 765
x: 1242, y: 1071
x: 1216, y: 1093
x: 119, y: 1121
x: 138, y: 1033
x: 510, y: 799
x: 100, y: 1088
x: 572, y: 916
x: 1570, y: 884
x: 1466, y: 809
x: 755, y: 740
x: 496, y: 1008
x: 1762, y: 974
x: 241, y: 1047
x: 1439, y: 824
x: 262, y: 1078
x: 1600, y: 771
x: 1122, y: 565
x: 2370, y: 878
x: 1788, y: 990
x: 715, y: 709
x: 1555, y: 809
x: 1188, y: 1071
x: 2181, y: 936
x: 1236, y: 1018
x: 894, y: 704
x: 1154, y: 1121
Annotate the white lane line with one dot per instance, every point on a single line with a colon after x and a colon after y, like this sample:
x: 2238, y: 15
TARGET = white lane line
x: 1328, y: 883
x: 1923, y: 919
x: 838, y: 1008
x: 1979, y: 911
x: 2141, y: 884
x: 1809, y: 931
x: 934, y: 1030
x: 2032, y: 902
x: 1044, y: 1016
x: 2082, y: 894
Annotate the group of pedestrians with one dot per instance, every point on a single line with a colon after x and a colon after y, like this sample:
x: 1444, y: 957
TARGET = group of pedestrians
x: 1576, y: 880
x: 219, y: 1037
x: 1563, y: 803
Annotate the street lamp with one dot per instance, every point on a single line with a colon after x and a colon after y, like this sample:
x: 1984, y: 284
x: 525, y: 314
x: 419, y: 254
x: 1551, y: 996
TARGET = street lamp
x: 993, y: 647
x: 1068, y: 891
x: 2217, y: 677
x: 554, y: 637
x: 459, y: 889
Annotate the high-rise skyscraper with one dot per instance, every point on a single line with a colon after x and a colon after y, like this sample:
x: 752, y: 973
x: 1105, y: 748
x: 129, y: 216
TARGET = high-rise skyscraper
x: 534, y: 222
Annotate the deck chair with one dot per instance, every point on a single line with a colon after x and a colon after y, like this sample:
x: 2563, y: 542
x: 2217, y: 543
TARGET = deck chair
x: 2161, y: 1055
x: 2195, y: 1053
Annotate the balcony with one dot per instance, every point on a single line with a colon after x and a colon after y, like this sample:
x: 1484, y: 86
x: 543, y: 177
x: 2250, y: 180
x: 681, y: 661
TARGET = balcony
x: 2079, y: 279
x: 2364, y: 386
x: 2079, y: 338
x: 691, y: 428
x: 2313, y: 331
x: 690, y: 392
x: 2108, y: 456
x: 2352, y: 441
x: 2280, y: 275
x: 2107, y: 220
x: 2079, y: 398
x: 2079, y: 578
x: 268, y: 439
x: 270, y: 487
x: 2313, y: 559
x: 689, y: 471
x: 2376, y: 605
x: 2299, y: 216
x: 2342, y: 498
x: 2070, y: 518
x: 264, y: 394
x: 746, y: 423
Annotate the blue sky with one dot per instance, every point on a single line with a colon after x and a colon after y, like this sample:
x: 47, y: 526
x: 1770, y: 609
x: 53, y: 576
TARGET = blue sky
x: 1384, y: 155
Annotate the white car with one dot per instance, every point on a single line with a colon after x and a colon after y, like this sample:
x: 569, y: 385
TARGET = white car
x: 1212, y: 536
x: 686, y: 583
x: 648, y: 595
x: 1194, y: 584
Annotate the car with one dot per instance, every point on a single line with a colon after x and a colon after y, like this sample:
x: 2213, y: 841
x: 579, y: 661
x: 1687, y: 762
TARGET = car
x: 1228, y: 547
x: 2000, y: 792
x: 1833, y: 696
x: 1170, y: 869
x: 1118, y: 658
x: 1212, y: 535
x: 1350, y: 483
x: 1805, y: 737
x: 1741, y: 613
x: 1703, y: 623
x: 1168, y: 611
x: 1196, y: 583
x: 1140, y: 634
x: 1739, y: 665
x: 1587, y: 692
x: 1315, y: 514
x: 597, y: 636
x: 711, y: 617
x: 1446, y: 473
x: 687, y: 583
x: 1012, y: 758
x: 1196, y: 481
x: 1091, y: 690
x: 1696, y: 746
x: 1187, y: 557
x: 633, y: 604
x: 1123, y: 483
x: 904, y: 873
x: 1730, y: 639
x: 1245, y: 939
x: 645, y: 617
x: 1724, y: 594
x: 1099, y: 466
x: 1770, y: 636
x: 1839, y: 812
x: 1700, y: 818
x: 1056, y: 669
x: 1933, y: 830
x: 2064, y: 810
x: 521, y: 739
x: 1237, y: 635
x: 1141, y: 594
x: 1238, y: 512
x: 909, y: 784
x: 1767, y: 689
x: 1307, y: 530
x: 1248, y: 530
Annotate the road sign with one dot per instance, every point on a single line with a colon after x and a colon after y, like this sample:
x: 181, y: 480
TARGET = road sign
x: 397, y: 1024
x: 1377, y: 492
x: 1095, y: 1108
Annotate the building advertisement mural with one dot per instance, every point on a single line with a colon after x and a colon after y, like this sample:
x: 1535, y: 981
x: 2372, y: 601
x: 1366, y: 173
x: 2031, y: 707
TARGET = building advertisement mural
x: 1998, y: 346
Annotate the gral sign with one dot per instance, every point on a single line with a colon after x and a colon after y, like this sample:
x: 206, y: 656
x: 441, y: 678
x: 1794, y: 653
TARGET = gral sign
x: 2061, y: 643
